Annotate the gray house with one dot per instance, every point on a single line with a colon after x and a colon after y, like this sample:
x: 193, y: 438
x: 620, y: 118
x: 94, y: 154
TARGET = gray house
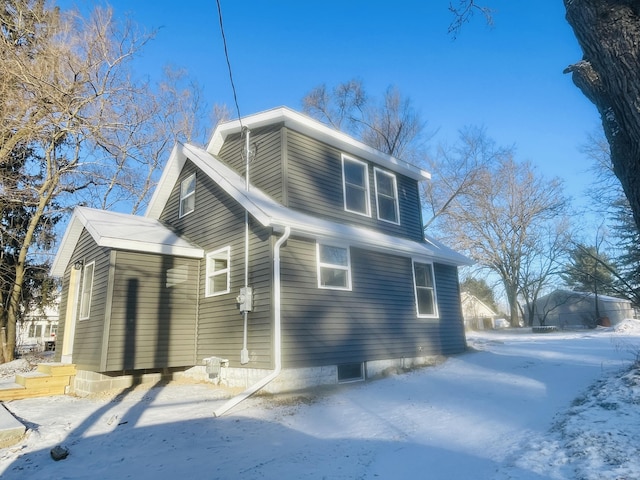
x: 285, y: 254
x: 566, y: 308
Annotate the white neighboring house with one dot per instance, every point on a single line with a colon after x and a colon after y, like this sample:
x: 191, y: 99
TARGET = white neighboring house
x: 37, y: 331
x: 477, y: 315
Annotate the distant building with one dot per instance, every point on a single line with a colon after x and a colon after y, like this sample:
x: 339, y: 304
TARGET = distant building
x: 37, y: 331
x: 565, y: 308
x: 477, y: 314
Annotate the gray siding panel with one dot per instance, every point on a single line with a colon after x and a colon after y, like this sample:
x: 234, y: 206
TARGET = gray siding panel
x: 153, y: 316
x: 218, y: 222
x: 376, y: 320
x: 314, y: 186
x: 87, y: 346
x: 265, y: 169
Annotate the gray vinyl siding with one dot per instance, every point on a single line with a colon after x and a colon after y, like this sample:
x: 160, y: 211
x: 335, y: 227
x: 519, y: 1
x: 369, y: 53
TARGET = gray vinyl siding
x: 87, y: 345
x: 376, y: 320
x: 153, y: 313
x: 314, y: 186
x: 266, y: 167
x: 218, y: 222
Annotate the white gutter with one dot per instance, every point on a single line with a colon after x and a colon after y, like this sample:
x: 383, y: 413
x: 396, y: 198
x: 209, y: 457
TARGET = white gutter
x: 277, y: 340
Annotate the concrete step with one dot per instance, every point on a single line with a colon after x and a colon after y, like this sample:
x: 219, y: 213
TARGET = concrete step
x: 11, y: 430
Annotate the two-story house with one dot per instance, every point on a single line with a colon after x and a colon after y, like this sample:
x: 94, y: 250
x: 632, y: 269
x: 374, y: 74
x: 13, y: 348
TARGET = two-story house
x: 290, y: 250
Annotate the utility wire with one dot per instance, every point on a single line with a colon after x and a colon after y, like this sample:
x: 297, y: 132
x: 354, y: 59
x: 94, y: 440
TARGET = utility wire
x: 226, y: 54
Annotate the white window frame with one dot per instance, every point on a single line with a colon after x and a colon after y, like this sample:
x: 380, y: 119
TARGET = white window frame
x: 415, y: 289
x: 377, y: 171
x: 223, y: 253
x: 185, y: 196
x: 321, y: 265
x: 86, y: 293
x: 367, y: 190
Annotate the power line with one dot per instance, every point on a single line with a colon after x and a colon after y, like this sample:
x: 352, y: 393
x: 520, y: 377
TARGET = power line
x: 226, y: 54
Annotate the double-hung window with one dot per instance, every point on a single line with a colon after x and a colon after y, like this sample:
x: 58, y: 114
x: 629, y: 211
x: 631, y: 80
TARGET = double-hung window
x: 188, y: 195
x: 218, y: 269
x: 386, y: 196
x: 355, y: 183
x: 425, y: 290
x: 87, y: 288
x: 334, y: 267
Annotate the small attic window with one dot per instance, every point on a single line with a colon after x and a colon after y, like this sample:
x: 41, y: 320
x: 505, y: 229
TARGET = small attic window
x: 188, y: 195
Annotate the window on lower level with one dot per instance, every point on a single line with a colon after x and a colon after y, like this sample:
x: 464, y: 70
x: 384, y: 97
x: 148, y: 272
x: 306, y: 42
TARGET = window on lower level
x: 334, y: 267
x: 218, y: 272
x: 425, y: 290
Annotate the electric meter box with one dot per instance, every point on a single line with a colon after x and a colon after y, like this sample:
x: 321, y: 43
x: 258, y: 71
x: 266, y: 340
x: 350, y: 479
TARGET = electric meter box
x: 245, y: 299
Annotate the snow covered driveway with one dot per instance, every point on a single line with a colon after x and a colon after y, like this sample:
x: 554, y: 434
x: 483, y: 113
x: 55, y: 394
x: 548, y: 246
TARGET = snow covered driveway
x: 516, y: 406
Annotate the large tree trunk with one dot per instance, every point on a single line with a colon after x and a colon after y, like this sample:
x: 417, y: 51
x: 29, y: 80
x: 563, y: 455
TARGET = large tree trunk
x: 609, y: 75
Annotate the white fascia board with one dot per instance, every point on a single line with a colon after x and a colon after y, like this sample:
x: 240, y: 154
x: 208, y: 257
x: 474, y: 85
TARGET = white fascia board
x: 67, y: 245
x: 168, y: 179
x: 307, y: 226
x: 255, y: 201
x: 151, y: 247
x: 120, y: 231
x: 315, y: 129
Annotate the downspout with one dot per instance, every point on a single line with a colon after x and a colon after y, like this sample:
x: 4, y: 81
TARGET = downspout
x: 277, y: 333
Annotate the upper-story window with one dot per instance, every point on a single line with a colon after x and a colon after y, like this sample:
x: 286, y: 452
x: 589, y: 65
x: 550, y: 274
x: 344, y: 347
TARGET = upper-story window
x: 355, y: 182
x: 87, y: 291
x: 188, y: 195
x: 334, y: 267
x: 218, y: 272
x: 425, y: 290
x: 386, y: 196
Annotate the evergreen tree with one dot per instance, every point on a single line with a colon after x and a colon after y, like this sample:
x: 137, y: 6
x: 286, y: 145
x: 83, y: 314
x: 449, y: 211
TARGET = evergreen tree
x: 479, y: 288
x: 589, y: 270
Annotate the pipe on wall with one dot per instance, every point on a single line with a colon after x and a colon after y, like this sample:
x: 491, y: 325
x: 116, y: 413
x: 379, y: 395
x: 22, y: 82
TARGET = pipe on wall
x: 277, y: 333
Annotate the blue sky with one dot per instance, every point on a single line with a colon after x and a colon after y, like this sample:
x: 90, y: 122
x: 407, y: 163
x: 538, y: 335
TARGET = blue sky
x: 507, y: 78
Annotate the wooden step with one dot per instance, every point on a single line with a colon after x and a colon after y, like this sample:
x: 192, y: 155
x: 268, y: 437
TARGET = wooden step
x: 19, y: 392
x: 48, y: 379
x: 57, y: 369
x: 40, y: 380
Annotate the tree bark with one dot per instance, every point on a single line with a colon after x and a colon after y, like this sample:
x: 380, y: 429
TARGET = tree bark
x: 608, y: 32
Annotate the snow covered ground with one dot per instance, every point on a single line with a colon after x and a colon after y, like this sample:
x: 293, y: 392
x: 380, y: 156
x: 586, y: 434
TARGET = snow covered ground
x: 516, y: 406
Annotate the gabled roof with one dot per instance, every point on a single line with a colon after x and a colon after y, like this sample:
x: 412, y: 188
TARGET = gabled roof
x: 121, y: 231
x: 315, y: 129
x: 576, y: 296
x: 472, y: 300
x: 273, y: 214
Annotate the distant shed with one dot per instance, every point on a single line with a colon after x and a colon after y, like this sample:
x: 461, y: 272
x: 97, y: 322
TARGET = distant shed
x: 565, y: 308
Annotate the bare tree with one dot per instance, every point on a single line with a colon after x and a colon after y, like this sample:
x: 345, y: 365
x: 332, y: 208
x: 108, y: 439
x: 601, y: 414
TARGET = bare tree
x: 457, y: 169
x: 67, y: 95
x: 160, y: 115
x: 393, y: 126
x: 498, y: 221
x: 608, y: 74
x: 541, y: 263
